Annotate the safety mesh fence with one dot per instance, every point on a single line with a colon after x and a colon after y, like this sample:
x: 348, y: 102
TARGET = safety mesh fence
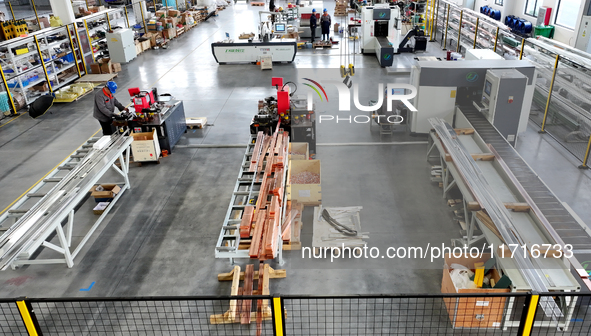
x: 574, y: 318
x: 404, y: 315
x: 11, y: 322
x: 162, y: 316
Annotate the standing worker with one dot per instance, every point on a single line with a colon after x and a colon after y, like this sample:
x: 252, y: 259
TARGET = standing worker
x: 104, y: 107
x: 325, y: 24
x: 313, y: 24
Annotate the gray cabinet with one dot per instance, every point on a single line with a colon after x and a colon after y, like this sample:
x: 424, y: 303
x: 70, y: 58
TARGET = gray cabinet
x: 121, y: 45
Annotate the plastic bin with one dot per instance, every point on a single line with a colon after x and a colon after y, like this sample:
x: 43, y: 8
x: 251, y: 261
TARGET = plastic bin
x: 68, y: 58
x: 546, y: 31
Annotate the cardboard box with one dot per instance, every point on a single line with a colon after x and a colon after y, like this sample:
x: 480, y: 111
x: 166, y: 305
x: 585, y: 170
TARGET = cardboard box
x: 161, y: 13
x: 107, y: 195
x: 41, y: 87
x: 153, y: 37
x: 145, y: 146
x: 169, y: 33
x: 173, y: 13
x: 472, y: 312
x: 146, y: 45
x: 93, y: 9
x: 106, y: 67
x: 95, y: 68
x: 308, y: 194
x: 100, y: 208
x: 116, y: 67
x: 336, y: 27
x: 298, y: 147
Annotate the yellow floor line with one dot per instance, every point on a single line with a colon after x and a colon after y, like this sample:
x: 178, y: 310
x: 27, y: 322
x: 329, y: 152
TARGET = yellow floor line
x: 13, y: 119
x: 44, y: 176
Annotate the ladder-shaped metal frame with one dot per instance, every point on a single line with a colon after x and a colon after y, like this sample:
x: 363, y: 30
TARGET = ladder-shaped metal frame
x: 67, y: 200
x: 246, y: 191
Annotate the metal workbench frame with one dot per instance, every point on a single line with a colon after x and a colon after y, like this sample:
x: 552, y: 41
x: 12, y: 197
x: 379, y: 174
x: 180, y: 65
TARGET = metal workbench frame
x: 67, y: 202
x: 451, y: 178
x: 245, y: 189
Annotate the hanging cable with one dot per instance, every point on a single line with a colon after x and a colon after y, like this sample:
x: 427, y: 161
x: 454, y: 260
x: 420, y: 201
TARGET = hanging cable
x: 338, y: 226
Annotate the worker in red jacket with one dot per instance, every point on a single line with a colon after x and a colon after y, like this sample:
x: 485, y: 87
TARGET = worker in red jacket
x: 325, y: 22
x: 104, y: 107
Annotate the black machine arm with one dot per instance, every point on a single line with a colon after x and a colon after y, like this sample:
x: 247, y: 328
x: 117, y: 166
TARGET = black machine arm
x: 419, y: 36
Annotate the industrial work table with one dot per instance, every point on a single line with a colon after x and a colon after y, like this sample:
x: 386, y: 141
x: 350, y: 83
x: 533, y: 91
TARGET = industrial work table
x: 281, y: 50
x: 170, y: 125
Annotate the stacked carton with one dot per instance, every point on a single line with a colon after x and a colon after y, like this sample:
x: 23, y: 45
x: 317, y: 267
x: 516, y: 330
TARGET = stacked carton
x: 340, y: 8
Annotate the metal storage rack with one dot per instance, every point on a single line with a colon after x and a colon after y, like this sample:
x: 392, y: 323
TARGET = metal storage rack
x: 88, y: 28
x: 476, y: 31
x: 23, y: 70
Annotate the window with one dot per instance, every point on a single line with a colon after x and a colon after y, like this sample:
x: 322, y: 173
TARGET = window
x: 567, y: 13
x: 499, y: 2
x: 531, y: 7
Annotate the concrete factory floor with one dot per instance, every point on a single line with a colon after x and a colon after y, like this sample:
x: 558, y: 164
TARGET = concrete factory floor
x: 160, y: 237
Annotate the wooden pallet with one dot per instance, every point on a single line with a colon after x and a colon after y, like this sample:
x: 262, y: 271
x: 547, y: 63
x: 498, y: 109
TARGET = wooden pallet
x: 101, y: 78
x: 75, y: 99
x: 241, y: 311
x: 321, y: 45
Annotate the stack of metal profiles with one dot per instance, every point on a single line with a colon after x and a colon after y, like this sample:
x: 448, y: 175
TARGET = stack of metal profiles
x: 473, y: 176
x: 34, y: 223
x: 571, y: 90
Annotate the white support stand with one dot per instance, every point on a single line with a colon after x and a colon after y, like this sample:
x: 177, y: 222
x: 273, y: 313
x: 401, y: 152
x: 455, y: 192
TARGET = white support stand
x: 66, y: 213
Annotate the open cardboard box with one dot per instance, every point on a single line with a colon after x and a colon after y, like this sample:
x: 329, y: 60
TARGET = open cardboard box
x: 111, y: 190
x: 472, y: 312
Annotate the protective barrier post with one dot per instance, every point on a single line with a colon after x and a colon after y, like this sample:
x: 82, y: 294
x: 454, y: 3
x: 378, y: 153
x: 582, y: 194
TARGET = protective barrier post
x: 277, y: 315
x: 127, y: 16
x: 446, y: 27
x: 73, y: 49
x: 43, y: 63
x: 496, y: 40
x: 80, y: 47
x: 460, y: 31
x: 28, y: 316
x: 431, y: 21
x: 89, y: 41
x: 586, y: 159
x: 528, y: 315
x: 522, y: 46
x: 108, y: 22
x: 476, y: 32
x: 436, y: 21
x: 543, y: 130
x: 143, y: 18
x: 36, y: 16
x: 11, y: 11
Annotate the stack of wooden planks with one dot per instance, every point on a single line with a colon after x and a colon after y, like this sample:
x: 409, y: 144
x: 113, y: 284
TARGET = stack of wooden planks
x: 262, y: 222
x: 241, y: 311
x: 292, y: 225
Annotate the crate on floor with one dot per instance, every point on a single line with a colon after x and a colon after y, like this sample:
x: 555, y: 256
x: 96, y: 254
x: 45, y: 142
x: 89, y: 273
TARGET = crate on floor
x: 299, y: 151
x: 303, y: 182
x: 196, y: 122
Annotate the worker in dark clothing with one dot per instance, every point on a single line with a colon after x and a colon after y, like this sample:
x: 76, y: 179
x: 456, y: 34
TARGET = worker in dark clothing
x: 104, y: 107
x: 313, y: 24
x: 325, y: 22
x: 271, y: 5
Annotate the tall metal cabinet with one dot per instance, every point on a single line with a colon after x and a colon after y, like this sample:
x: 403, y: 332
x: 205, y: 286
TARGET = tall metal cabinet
x: 121, y: 45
